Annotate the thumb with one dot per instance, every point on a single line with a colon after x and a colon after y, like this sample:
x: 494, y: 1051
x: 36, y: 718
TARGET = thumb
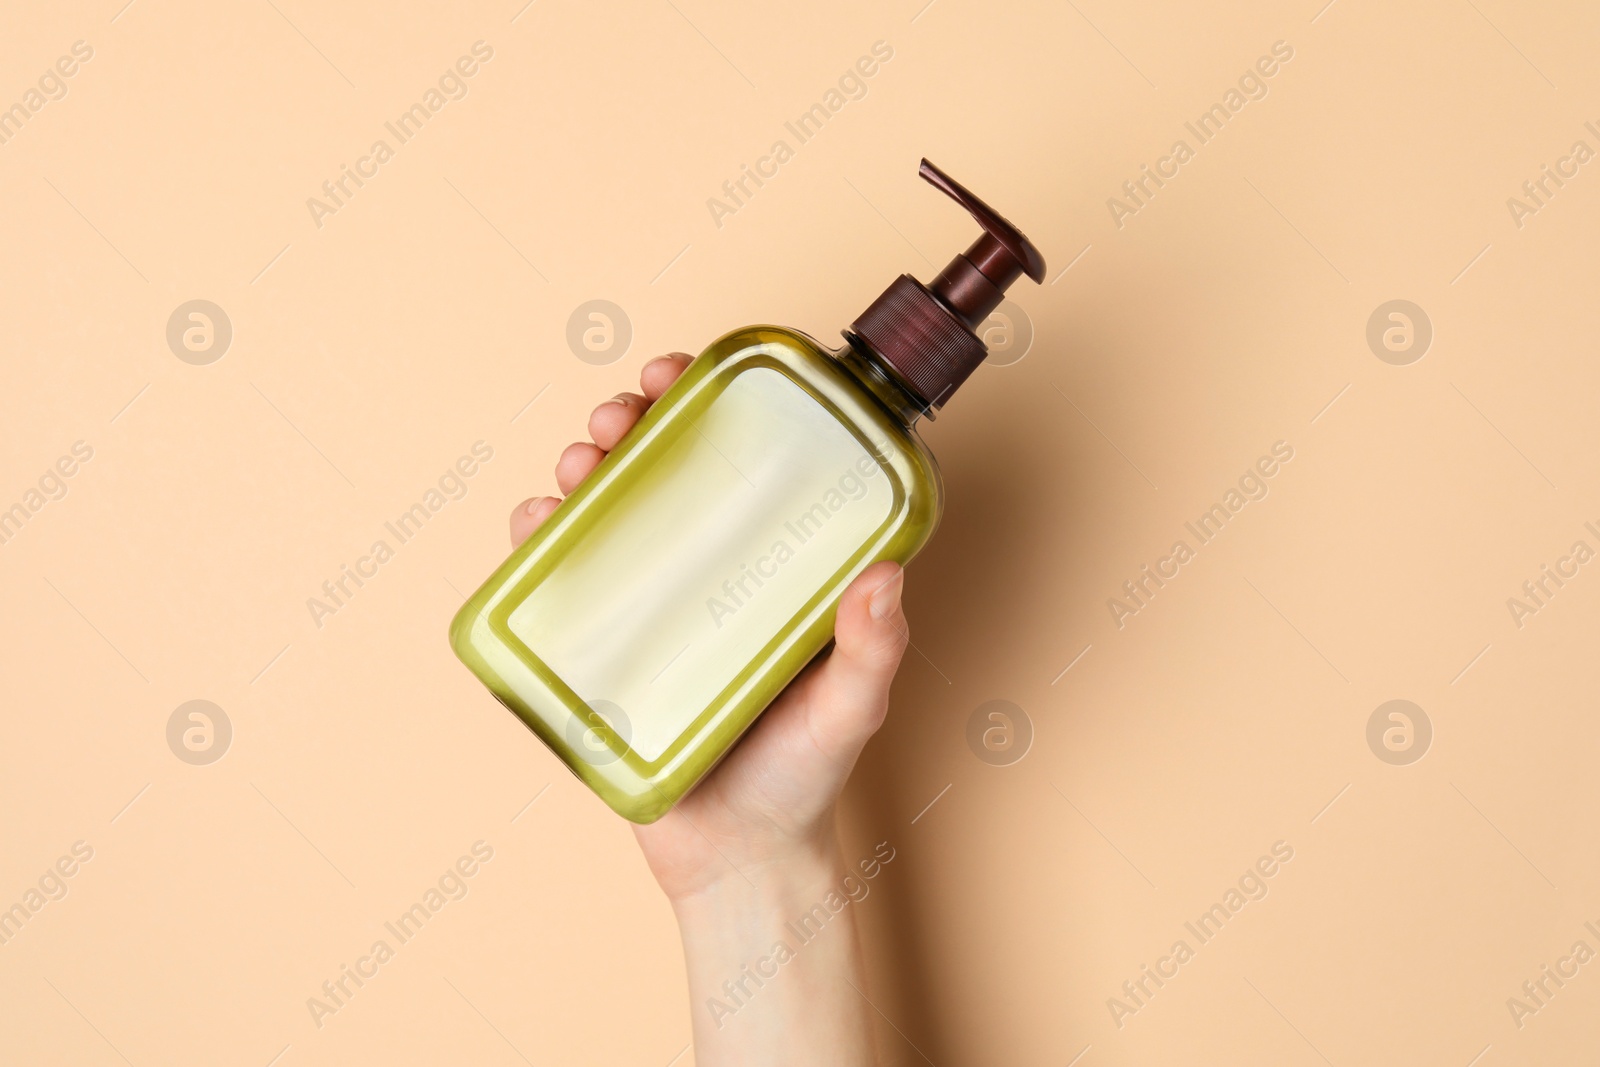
x: 850, y: 695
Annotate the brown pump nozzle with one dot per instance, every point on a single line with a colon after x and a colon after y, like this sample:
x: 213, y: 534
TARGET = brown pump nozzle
x: 925, y: 333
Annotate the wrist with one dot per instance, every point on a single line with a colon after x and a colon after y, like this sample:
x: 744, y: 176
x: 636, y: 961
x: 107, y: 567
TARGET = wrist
x: 774, y: 964
x: 795, y: 875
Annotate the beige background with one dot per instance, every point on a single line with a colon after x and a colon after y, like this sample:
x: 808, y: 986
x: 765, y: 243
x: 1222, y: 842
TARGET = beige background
x: 1228, y: 314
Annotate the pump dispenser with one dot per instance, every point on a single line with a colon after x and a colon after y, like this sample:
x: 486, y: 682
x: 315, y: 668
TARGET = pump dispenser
x: 926, y: 332
x: 648, y: 622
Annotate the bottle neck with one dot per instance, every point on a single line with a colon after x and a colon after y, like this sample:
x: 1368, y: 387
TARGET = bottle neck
x: 873, y: 372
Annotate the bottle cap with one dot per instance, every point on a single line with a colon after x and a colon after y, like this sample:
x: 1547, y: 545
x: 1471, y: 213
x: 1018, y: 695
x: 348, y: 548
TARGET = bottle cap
x: 925, y: 332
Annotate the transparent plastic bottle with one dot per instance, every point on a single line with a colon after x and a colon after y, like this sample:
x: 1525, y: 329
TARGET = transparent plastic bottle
x: 647, y: 623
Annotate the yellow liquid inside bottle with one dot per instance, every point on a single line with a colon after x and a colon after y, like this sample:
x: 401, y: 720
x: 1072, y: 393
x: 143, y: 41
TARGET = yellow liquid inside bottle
x: 663, y: 606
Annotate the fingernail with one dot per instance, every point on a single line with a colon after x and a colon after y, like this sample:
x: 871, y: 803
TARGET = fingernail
x: 886, y: 598
x: 618, y: 399
x: 533, y: 505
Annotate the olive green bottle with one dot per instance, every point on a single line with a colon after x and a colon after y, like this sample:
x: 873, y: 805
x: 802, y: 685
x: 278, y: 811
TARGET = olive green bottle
x: 647, y: 623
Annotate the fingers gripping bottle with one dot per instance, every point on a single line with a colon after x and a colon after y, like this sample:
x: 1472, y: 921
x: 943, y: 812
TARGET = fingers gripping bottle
x: 649, y: 621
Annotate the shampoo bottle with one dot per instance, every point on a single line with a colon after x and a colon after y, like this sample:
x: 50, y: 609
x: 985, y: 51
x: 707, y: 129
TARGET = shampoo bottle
x: 647, y: 623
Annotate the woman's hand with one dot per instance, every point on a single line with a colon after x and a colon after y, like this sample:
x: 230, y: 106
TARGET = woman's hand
x: 754, y: 845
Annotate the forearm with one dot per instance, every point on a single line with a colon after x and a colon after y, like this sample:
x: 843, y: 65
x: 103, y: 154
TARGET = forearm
x: 775, y: 977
